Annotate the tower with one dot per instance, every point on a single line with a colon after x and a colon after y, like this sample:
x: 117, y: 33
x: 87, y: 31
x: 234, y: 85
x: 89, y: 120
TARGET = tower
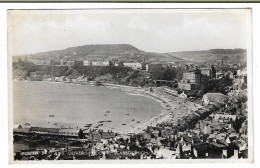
x: 213, y: 72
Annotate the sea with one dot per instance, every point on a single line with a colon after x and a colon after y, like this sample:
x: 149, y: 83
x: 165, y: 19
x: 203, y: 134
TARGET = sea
x: 50, y: 104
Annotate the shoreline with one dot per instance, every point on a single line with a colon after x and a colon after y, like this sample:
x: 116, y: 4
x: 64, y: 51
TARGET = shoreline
x: 170, y: 106
x: 142, y: 92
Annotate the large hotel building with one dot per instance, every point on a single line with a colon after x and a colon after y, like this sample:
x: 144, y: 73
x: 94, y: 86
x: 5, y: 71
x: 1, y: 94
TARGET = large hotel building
x: 194, y: 78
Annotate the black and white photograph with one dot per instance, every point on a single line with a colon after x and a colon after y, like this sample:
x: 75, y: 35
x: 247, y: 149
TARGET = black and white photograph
x: 129, y: 84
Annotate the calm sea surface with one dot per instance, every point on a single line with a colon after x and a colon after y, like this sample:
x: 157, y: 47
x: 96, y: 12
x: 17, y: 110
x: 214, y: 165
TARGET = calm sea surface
x: 77, y: 105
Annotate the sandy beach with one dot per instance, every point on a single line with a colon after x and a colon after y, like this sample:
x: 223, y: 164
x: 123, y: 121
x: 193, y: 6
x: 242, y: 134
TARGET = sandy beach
x: 174, y: 107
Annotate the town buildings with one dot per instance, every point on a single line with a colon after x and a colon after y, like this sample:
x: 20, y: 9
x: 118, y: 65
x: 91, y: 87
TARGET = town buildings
x: 210, y: 72
x: 97, y: 63
x: 240, y: 80
x: 133, y: 65
x: 87, y: 62
x: 153, y: 66
x: 193, y: 78
x: 69, y: 132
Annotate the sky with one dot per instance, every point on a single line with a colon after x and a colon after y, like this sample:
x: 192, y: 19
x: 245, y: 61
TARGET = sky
x: 152, y: 30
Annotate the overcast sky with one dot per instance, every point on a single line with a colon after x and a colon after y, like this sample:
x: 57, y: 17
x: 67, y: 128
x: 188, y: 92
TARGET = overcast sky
x: 164, y: 30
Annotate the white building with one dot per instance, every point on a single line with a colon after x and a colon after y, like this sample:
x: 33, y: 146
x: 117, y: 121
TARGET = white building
x: 97, y: 63
x: 106, y: 63
x: 87, y: 62
x: 133, y: 65
x: 69, y: 132
x: 101, y: 63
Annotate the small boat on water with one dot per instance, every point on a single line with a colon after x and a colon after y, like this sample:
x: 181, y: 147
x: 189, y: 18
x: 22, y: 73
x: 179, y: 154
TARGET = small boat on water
x: 133, y: 119
x: 123, y: 124
x: 96, y: 127
x: 107, y: 111
x: 100, y: 124
x: 101, y: 121
x: 108, y: 121
x: 138, y: 122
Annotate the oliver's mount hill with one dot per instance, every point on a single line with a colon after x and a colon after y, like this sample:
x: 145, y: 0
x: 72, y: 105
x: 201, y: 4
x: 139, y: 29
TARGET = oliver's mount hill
x: 129, y: 52
x: 105, y: 52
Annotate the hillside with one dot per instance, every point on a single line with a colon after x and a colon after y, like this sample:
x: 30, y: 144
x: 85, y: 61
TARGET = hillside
x: 105, y: 52
x: 101, y: 49
x: 107, y: 74
x: 230, y: 55
x: 127, y: 52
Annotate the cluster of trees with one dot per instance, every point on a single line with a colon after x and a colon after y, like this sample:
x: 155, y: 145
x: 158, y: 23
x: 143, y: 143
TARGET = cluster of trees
x: 217, y: 85
x: 167, y: 73
x: 57, y: 71
x: 102, y: 70
x: 26, y: 69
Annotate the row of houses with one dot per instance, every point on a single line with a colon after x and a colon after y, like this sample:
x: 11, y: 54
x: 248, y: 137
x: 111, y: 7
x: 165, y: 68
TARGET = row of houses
x: 97, y: 63
x: 208, y: 98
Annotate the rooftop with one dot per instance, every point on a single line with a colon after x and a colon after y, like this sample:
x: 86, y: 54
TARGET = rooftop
x: 215, y: 97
